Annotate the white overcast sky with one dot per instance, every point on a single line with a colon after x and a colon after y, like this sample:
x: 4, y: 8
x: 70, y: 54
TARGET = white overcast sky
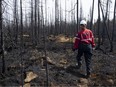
x: 86, y: 4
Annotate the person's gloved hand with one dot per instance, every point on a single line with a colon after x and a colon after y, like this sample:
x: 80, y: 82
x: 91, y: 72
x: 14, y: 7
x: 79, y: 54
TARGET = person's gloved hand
x: 73, y: 49
x: 94, y: 48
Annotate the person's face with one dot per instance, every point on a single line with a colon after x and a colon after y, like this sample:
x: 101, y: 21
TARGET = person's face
x: 82, y: 26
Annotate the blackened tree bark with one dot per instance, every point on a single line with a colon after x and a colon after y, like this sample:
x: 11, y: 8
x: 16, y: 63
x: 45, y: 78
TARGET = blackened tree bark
x: 65, y: 19
x: 105, y: 19
x: 35, y: 30
x: 91, y: 24
x: 105, y: 25
x: 77, y: 15
x: 98, y: 22
x: 32, y: 24
x: 112, y: 38
x: 21, y: 24
x: 56, y: 17
x: 15, y: 21
x: 38, y: 27
x: 1, y: 40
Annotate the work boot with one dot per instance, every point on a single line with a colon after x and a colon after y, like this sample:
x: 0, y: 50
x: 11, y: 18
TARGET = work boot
x: 88, y: 75
x: 78, y: 66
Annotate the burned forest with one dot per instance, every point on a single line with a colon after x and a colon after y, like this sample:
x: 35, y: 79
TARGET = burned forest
x: 37, y: 37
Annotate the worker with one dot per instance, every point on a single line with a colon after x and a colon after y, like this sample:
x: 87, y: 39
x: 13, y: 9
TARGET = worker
x: 84, y: 42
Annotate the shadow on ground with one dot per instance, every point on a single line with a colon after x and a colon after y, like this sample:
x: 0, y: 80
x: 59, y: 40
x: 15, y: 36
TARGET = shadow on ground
x: 74, y: 71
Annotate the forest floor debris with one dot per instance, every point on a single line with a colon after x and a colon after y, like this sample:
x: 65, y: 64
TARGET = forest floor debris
x: 61, y: 68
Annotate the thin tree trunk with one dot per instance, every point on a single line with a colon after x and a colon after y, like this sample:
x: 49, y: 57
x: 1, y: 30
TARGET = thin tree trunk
x: 91, y: 24
x: 77, y: 16
x: 45, y: 44
x: 105, y: 19
x: 105, y: 25
x: 1, y: 38
x: 99, y: 36
x: 32, y: 30
x: 21, y: 23
x: 56, y: 17
x: 65, y: 19
x: 15, y: 21
x: 38, y: 36
x: 112, y: 38
x: 21, y: 42
x: 35, y: 27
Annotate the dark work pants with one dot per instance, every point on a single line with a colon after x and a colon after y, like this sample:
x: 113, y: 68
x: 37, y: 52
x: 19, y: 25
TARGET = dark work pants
x: 85, y: 49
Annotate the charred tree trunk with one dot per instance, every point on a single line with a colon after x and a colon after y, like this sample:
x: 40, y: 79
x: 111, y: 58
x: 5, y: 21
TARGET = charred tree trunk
x: 91, y: 24
x: 60, y: 18
x: 15, y: 22
x: 105, y: 25
x: 21, y: 24
x: 112, y: 38
x: 81, y: 12
x: 21, y: 42
x: 35, y: 27
x: 32, y: 24
x: 105, y: 19
x: 65, y: 19
x: 56, y: 17
x: 38, y: 28
x: 77, y: 15
x: 1, y: 40
x: 99, y: 36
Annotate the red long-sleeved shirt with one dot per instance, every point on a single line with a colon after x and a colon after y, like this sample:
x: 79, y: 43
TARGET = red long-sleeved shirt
x: 84, y: 36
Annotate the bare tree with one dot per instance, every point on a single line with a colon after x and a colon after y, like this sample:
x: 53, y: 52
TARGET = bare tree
x: 21, y: 23
x: 105, y: 25
x: 60, y: 18
x: 91, y: 22
x: 112, y: 38
x: 21, y: 41
x: 1, y: 39
x: 32, y: 23
x: 77, y: 15
x: 99, y: 36
x: 35, y: 26
x: 38, y: 28
x: 56, y: 17
x: 105, y: 19
x: 16, y: 21
x: 65, y: 30
x: 81, y: 11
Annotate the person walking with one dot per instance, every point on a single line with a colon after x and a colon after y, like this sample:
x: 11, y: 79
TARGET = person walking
x: 84, y: 42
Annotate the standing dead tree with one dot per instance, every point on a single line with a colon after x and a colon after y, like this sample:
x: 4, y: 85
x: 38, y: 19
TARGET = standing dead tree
x: 98, y: 24
x: 60, y: 18
x: 21, y: 42
x: 38, y: 26
x: 77, y: 14
x: 45, y: 46
x: 35, y: 26
x: 1, y: 40
x: 105, y: 25
x: 56, y: 17
x: 21, y: 24
x: 81, y: 12
x: 112, y: 38
x: 91, y: 22
x: 65, y: 19
x: 15, y: 21
x: 32, y: 24
x: 105, y: 19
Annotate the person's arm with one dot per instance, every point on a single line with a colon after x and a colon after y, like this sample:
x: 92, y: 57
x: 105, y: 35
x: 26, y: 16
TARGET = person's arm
x: 77, y: 40
x: 92, y: 41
